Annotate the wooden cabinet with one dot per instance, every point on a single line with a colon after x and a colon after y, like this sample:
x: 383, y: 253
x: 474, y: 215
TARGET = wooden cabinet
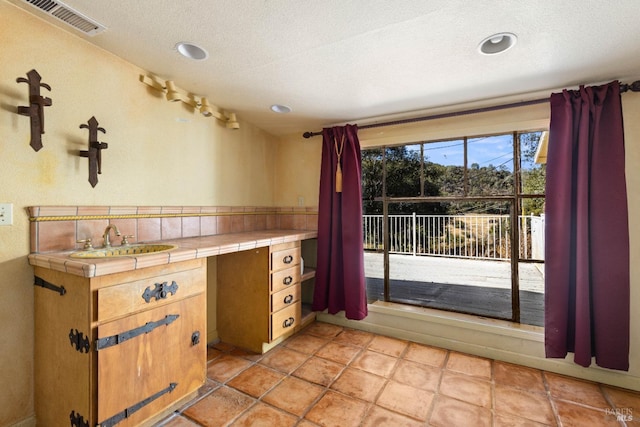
x: 259, y: 296
x: 121, y: 349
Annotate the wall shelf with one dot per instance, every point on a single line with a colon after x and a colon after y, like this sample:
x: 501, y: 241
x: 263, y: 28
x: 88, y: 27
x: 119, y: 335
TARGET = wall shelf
x: 308, y: 273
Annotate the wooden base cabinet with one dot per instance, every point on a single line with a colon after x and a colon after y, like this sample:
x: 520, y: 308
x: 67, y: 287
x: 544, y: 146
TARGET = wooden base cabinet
x: 121, y: 349
x: 259, y: 296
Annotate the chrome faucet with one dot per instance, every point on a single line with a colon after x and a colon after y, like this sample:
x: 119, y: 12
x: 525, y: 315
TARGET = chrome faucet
x: 105, y: 236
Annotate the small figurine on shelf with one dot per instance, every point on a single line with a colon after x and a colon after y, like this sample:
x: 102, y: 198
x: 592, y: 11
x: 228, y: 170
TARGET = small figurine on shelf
x: 94, y: 154
x: 35, y: 110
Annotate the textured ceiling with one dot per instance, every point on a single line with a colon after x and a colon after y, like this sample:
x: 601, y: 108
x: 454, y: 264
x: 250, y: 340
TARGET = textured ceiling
x: 335, y: 61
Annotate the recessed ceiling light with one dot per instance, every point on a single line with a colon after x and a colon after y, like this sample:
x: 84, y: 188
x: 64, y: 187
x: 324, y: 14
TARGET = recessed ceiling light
x: 497, y: 43
x: 281, y: 109
x: 191, y: 51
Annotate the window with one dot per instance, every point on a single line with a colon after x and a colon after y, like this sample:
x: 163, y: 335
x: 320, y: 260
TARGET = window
x: 457, y: 225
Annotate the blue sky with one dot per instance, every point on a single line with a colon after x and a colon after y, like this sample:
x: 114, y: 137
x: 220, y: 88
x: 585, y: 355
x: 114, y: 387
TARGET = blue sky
x: 495, y: 150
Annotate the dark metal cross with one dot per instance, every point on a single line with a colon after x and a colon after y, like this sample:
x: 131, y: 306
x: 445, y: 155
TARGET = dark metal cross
x: 35, y: 110
x: 95, y: 150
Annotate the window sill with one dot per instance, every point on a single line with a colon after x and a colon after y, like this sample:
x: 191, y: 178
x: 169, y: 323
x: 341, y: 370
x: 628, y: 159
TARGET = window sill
x: 460, y: 320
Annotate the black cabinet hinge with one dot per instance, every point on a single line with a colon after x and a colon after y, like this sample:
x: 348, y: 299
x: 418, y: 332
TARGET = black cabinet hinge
x: 105, y: 342
x: 79, y: 341
x: 132, y: 409
x: 77, y: 420
x: 38, y: 281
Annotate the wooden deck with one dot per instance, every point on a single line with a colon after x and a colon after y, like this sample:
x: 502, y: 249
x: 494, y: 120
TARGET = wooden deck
x: 473, y: 286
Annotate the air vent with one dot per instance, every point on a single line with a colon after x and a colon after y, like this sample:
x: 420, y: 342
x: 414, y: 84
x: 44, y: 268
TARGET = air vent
x: 67, y: 15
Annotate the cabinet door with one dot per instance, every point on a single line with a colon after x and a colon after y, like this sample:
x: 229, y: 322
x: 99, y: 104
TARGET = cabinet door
x: 62, y: 371
x: 156, y: 362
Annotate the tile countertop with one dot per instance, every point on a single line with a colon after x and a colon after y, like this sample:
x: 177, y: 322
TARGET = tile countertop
x: 188, y: 248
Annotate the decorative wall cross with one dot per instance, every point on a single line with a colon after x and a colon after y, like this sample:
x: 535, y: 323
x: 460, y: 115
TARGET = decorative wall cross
x: 35, y: 110
x: 95, y: 150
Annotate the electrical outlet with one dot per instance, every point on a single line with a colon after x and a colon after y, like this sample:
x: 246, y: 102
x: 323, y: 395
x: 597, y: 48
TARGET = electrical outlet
x: 6, y: 214
x: 300, y: 201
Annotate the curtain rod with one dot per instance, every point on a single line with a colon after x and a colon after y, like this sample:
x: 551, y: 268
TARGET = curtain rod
x: 634, y: 87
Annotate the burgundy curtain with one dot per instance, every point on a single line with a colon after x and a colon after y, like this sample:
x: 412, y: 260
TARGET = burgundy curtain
x: 340, y: 283
x: 587, y: 236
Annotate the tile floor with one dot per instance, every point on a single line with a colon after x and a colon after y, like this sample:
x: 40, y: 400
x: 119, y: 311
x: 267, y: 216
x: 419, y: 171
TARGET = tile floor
x: 327, y: 375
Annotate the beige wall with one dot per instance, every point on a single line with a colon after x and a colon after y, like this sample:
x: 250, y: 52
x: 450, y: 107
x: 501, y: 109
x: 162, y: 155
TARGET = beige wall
x: 298, y: 172
x: 631, y: 112
x: 159, y: 153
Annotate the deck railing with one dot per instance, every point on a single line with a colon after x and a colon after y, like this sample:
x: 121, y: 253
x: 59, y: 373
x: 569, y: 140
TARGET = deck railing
x: 464, y: 236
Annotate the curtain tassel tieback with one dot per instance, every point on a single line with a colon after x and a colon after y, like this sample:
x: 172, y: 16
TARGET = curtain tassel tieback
x: 339, y: 167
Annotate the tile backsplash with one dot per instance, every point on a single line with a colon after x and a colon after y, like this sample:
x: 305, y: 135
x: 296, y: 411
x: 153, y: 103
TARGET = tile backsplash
x: 58, y: 228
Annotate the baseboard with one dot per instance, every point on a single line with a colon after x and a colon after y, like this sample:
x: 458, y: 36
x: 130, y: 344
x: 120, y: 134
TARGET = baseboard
x: 29, y: 422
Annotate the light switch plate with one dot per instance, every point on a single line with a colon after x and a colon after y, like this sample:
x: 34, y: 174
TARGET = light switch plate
x: 6, y: 214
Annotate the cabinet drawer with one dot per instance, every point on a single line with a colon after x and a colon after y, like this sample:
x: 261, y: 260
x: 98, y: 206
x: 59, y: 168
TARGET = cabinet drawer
x: 285, y: 297
x: 285, y: 320
x: 285, y: 278
x: 131, y: 297
x: 285, y: 258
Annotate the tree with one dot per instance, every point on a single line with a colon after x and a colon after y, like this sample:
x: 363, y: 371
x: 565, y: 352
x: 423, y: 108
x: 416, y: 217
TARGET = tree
x: 404, y: 166
x: 532, y: 174
x: 371, y: 181
x: 403, y: 172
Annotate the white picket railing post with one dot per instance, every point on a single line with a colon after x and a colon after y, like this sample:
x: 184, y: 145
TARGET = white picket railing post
x: 413, y: 234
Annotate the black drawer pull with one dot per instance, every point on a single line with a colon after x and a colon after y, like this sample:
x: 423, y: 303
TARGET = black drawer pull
x: 195, y: 338
x: 160, y: 291
x: 288, y: 299
x: 288, y: 322
x: 288, y: 259
x: 287, y: 280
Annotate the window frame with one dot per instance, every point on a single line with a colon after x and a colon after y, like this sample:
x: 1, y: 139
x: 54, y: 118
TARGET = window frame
x: 514, y: 199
